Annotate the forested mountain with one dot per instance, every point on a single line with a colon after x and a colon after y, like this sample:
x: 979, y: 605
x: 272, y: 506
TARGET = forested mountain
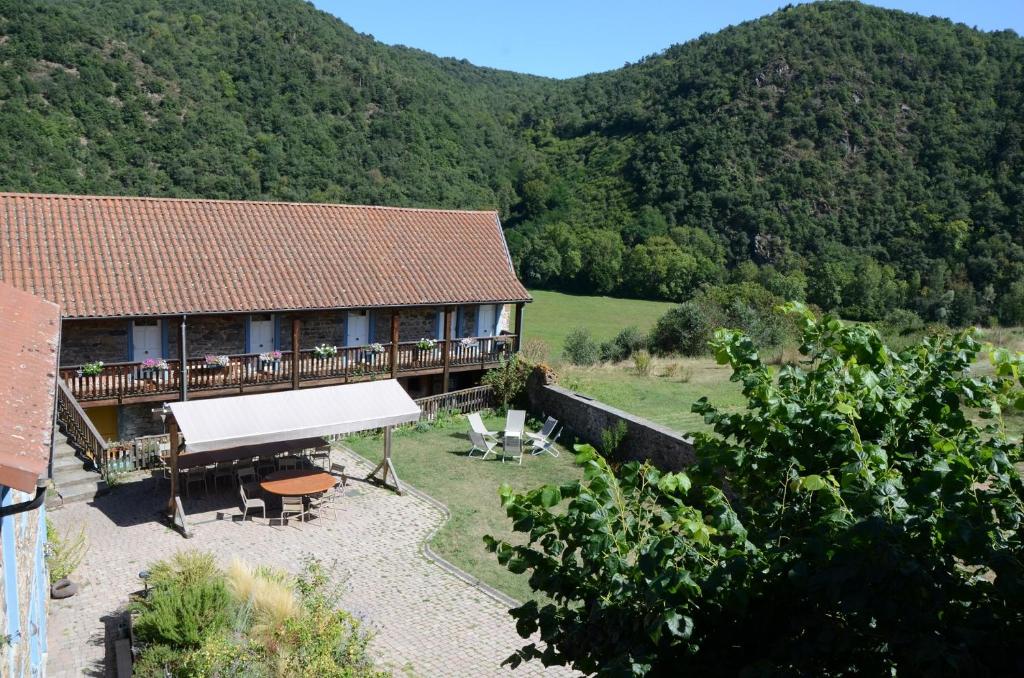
x: 862, y: 158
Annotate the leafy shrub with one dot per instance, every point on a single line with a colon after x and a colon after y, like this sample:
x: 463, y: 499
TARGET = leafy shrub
x: 612, y: 437
x: 580, y: 347
x: 64, y: 553
x: 685, y: 329
x: 642, y: 363
x: 901, y: 322
x: 508, y: 380
x: 187, y: 602
x: 628, y: 341
x: 268, y: 623
x: 875, y: 529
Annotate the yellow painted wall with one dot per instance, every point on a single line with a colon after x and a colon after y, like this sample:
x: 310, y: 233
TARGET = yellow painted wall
x: 105, y: 420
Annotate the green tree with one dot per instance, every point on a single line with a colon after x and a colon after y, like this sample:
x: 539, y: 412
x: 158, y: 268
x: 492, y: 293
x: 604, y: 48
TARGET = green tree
x: 873, y: 525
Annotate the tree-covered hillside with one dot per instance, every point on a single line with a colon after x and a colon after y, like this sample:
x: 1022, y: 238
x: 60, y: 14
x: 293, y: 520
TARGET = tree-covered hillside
x: 859, y: 158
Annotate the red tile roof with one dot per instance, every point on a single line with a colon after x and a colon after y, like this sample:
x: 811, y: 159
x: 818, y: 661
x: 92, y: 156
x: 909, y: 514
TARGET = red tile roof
x: 109, y: 256
x: 29, y: 336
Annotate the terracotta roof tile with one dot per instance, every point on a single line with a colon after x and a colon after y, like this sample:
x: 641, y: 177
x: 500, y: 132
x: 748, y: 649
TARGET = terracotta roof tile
x: 29, y: 336
x: 107, y: 256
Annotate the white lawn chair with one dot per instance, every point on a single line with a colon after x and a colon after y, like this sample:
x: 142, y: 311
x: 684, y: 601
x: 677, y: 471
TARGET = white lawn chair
x: 515, y: 422
x: 481, y: 444
x: 477, y: 424
x: 545, y: 445
x: 549, y: 427
x: 249, y: 503
x: 512, y: 446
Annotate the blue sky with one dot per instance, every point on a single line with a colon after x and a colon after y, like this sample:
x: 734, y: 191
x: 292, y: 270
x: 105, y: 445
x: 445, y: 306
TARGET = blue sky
x: 565, y: 38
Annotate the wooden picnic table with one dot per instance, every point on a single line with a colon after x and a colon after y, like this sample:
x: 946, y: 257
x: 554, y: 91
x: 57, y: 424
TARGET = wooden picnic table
x: 298, y: 482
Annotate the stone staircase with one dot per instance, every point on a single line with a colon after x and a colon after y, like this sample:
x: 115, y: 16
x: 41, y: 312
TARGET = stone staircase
x: 73, y: 479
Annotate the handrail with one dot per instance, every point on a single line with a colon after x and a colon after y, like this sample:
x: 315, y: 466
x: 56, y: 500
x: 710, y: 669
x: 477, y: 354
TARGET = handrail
x: 117, y: 381
x: 465, y: 400
x: 79, y: 428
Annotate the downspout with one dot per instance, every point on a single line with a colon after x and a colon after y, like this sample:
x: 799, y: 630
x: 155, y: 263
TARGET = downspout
x: 182, y: 359
x: 34, y: 503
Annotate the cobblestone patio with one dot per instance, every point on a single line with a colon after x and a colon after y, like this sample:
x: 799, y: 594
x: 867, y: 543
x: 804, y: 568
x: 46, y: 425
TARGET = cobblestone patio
x: 426, y: 621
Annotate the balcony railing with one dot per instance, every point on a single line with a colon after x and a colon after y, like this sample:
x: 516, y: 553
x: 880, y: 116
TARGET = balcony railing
x: 118, y: 381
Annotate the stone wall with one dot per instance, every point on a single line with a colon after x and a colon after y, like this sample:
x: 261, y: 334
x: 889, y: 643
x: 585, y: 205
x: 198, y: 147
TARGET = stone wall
x: 23, y: 570
x: 587, y: 418
x: 84, y: 341
x: 208, y: 334
x: 138, y: 420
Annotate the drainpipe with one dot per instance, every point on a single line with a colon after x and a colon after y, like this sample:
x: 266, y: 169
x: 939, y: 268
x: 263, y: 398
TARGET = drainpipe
x: 182, y: 354
x: 34, y: 503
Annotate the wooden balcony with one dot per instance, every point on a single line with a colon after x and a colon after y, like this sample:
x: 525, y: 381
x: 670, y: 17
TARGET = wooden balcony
x: 131, y: 382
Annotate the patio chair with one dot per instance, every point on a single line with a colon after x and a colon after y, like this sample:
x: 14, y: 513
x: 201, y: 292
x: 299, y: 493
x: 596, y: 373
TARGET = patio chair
x: 339, y: 471
x: 293, y: 506
x: 321, y: 457
x: 515, y: 422
x: 320, y: 503
x: 477, y: 424
x: 287, y: 463
x: 545, y: 432
x: 481, y: 444
x: 546, y: 446
x: 265, y: 466
x: 195, y: 476
x: 248, y: 503
x: 512, y: 446
x: 245, y: 475
x: 224, y: 469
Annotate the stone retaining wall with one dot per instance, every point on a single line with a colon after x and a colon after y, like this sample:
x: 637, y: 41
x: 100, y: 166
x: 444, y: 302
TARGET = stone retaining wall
x: 587, y: 418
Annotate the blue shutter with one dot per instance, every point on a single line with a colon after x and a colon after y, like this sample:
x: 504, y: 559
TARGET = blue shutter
x: 497, y: 318
x: 165, y: 338
x: 458, y: 321
x: 370, y: 327
x: 344, y: 327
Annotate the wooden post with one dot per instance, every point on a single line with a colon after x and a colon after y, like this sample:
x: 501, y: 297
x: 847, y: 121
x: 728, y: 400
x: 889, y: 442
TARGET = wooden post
x: 386, y: 466
x: 519, y: 327
x: 296, y: 331
x: 183, y: 363
x: 172, y: 430
x: 448, y: 316
x: 394, y: 343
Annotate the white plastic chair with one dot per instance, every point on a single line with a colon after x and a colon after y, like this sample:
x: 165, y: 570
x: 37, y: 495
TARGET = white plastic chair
x: 481, y: 444
x: 477, y: 424
x: 293, y: 506
x: 546, y: 445
x: 545, y: 432
x: 512, y: 447
x: 248, y: 503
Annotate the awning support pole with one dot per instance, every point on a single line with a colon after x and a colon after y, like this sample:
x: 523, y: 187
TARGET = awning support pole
x: 175, y: 511
x: 386, y: 466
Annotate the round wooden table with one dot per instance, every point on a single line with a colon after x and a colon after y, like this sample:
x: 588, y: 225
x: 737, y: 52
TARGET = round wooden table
x: 298, y: 482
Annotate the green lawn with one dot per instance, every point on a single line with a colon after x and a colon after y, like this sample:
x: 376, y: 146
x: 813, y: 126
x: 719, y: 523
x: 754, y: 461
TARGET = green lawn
x: 435, y: 462
x: 552, y: 315
x: 665, y: 396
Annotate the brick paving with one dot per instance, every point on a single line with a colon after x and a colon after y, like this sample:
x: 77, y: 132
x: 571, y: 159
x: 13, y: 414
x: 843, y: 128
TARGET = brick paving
x: 426, y: 621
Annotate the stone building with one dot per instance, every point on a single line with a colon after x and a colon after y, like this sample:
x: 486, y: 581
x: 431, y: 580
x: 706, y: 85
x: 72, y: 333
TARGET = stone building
x: 29, y: 337
x: 164, y: 299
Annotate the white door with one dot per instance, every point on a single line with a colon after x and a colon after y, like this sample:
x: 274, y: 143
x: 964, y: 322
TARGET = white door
x: 261, y: 333
x: 146, y: 340
x: 485, y: 321
x: 357, y: 328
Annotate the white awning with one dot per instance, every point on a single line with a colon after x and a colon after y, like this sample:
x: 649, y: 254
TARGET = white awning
x: 220, y: 423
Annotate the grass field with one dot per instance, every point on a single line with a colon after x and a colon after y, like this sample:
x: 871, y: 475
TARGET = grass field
x: 552, y: 315
x: 665, y: 396
x: 435, y: 462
